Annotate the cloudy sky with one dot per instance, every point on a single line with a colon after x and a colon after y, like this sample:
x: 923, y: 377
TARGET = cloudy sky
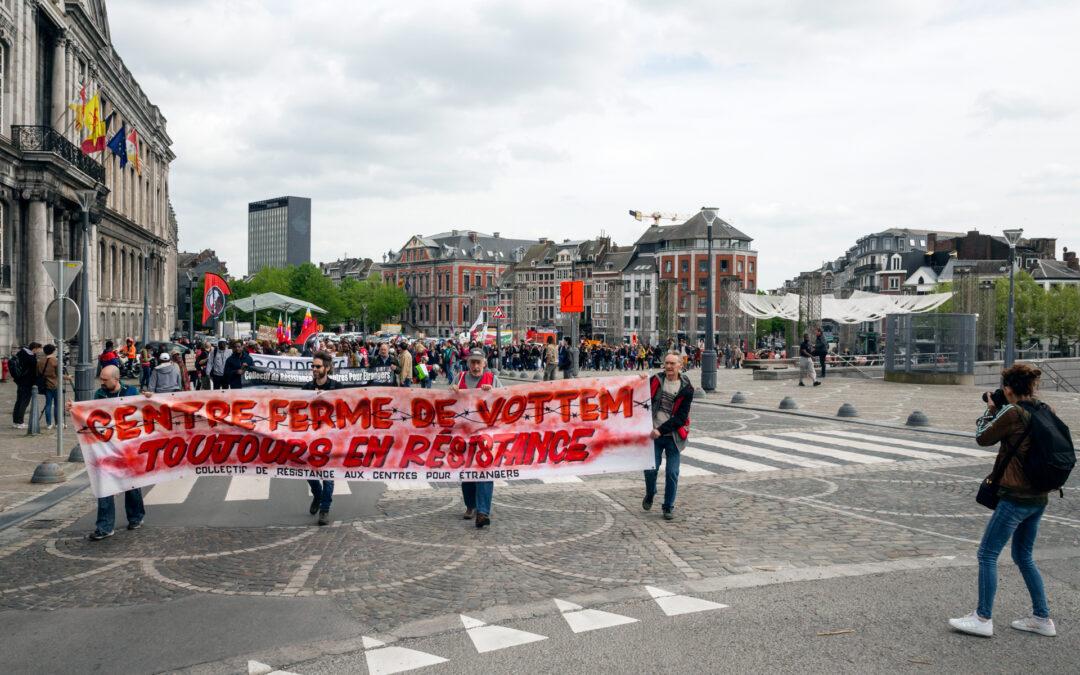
x: 807, y: 123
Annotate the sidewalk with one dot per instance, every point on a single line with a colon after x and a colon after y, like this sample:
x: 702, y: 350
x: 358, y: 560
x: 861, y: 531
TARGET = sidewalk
x: 947, y: 406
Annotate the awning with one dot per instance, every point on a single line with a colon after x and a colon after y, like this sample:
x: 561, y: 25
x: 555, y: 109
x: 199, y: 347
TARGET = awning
x: 277, y: 301
x: 859, y: 307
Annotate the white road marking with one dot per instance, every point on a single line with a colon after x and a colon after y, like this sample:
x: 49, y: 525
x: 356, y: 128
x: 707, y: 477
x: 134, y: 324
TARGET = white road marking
x: 953, y: 449
x: 674, y: 605
x: 710, y: 457
x: 873, y: 447
x: 492, y: 638
x: 561, y: 479
x: 259, y: 668
x: 766, y: 454
x: 818, y: 450
x: 383, y: 660
x: 341, y: 487
x: 172, y: 492
x: 582, y: 620
x: 408, y: 485
x: 691, y: 470
x: 246, y: 488
x: 300, y: 577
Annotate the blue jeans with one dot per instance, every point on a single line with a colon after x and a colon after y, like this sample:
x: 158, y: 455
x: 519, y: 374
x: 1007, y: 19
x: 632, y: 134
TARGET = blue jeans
x: 106, y: 510
x: 1021, y: 522
x: 664, y: 446
x: 52, y: 406
x: 478, y: 496
x: 323, y: 491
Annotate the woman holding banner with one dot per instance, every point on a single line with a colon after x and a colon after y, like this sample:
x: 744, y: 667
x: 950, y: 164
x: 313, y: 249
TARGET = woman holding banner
x: 477, y: 495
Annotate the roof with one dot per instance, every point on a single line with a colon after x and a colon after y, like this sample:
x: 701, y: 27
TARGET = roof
x: 617, y: 256
x: 263, y: 301
x: 641, y: 264
x: 1053, y: 270
x: 469, y: 244
x: 694, y: 228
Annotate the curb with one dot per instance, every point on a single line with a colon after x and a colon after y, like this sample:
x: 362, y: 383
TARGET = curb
x: 27, y: 510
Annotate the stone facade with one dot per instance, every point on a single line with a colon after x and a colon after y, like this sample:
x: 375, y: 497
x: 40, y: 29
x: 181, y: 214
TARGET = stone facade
x: 197, y: 264
x: 47, y: 48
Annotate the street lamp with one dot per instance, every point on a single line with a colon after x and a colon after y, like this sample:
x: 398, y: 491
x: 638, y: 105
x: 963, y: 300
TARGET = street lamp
x: 191, y: 306
x: 146, y: 296
x: 1013, y: 237
x: 84, y: 369
x: 708, y: 358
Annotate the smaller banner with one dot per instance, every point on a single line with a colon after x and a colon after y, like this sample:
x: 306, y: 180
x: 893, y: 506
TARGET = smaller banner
x: 298, y: 363
x: 214, y: 291
x: 349, y: 377
x: 267, y: 334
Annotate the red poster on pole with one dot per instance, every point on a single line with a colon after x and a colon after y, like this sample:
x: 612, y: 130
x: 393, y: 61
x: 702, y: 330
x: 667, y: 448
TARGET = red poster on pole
x: 572, y: 297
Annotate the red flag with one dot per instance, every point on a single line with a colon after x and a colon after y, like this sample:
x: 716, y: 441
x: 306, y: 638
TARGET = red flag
x: 214, y: 291
x: 307, y: 329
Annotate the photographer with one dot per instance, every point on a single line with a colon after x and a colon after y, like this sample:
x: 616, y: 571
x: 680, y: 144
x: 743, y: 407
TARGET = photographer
x: 1020, y: 507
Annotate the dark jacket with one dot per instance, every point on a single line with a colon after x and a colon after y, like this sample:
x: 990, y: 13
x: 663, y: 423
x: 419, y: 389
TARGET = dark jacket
x: 678, y: 425
x: 124, y: 390
x: 331, y: 383
x: 1008, y: 427
x: 28, y: 361
x: 234, y: 376
x: 804, y: 349
x: 821, y: 348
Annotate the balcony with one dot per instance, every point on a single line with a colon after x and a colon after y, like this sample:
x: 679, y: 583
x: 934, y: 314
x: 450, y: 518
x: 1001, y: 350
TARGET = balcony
x: 47, y: 139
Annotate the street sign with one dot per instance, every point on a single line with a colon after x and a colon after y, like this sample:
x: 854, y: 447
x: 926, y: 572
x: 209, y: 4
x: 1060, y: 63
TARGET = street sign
x: 572, y: 296
x: 498, y: 313
x: 62, y: 272
x: 72, y: 318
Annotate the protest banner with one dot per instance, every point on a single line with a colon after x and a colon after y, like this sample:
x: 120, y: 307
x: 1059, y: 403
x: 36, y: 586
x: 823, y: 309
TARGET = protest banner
x: 300, y: 363
x: 541, y: 430
x: 349, y: 377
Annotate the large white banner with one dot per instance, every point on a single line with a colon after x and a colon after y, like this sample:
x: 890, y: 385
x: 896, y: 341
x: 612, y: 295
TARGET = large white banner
x: 302, y: 363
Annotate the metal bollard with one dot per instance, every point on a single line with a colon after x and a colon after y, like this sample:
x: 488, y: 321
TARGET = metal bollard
x: 33, y: 426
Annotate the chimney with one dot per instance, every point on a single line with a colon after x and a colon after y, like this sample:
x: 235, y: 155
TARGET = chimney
x: 472, y: 236
x: 931, y: 242
x: 454, y: 232
x: 1070, y: 259
x: 496, y: 235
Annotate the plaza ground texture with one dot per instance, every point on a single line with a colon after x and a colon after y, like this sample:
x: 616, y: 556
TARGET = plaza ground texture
x: 802, y: 543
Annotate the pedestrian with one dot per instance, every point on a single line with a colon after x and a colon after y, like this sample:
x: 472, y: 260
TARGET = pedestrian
x: 806, y: 362
x: 477, y: 495
x: 23, y: 367
x: 551, y: 358
x: 108, y: 356
x: 565, y: 359
x: 821, y: 350
x: 146, y: 366
x: 218, y: 356
x: 671, y: 395
x: 236, y: 365
x: 165, y: 378
x: 1020, y: 506
x: 48, y: 384
x: 405, y: 365
x: 111, y: 387
x: 322, y: 492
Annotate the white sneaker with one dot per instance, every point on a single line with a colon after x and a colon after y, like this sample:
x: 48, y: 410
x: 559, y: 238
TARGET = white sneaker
x: 1034, y: 624
x: 18, y: 426
x: 973, y: 625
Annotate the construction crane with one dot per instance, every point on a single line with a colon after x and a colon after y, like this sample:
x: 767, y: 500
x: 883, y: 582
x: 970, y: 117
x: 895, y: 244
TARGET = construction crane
x: 656, y: 216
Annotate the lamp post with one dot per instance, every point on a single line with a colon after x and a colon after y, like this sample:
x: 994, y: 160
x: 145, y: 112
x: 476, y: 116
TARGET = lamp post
x: 1013, y: 237
x: 146, y: 296
x: 574, y: 319
x: 708, y: 358
x: 84, y: 369
x: 191, y: 307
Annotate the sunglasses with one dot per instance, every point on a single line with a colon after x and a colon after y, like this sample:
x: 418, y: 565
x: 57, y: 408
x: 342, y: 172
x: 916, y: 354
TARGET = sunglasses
x: 314, y: 366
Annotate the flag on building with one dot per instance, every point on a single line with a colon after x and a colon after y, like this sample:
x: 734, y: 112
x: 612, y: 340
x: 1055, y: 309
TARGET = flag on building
x: 214, y: 291
x: 78, y: 106
x: 118, y: 145
x: 133, y: 150
x: 94, y: 125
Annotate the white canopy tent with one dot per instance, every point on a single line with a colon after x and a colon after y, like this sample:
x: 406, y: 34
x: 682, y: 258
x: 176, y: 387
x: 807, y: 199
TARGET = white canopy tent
x: 861, y: 306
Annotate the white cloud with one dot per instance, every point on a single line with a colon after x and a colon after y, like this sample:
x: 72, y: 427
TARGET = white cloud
x: 808, y: 125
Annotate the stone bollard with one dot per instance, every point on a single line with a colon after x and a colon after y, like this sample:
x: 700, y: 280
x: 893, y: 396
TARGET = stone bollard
x: 536, y: 376
x: 739, y: 397
x: 75, y: 456
x: 33, y: 425
x: 918, y: 419
x: 847, y: 410
x: 48, y: 472
x: 788, y: 404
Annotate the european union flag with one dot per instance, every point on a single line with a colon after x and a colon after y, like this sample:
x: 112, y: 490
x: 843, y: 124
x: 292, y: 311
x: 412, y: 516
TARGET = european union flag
x: 118, y: 145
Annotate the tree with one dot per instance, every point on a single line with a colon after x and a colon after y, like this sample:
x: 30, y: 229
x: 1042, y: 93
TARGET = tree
x: 1063, y: 316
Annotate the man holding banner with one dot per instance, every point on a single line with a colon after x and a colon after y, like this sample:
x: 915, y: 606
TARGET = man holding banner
x: 477, y: 495
x: 322, y: 492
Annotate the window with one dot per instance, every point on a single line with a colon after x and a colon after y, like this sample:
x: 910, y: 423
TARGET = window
x: 685, y: 266
x: 751, y: 268
x: 723, y: 265
x: 887, y: 244
x: 467, y: 283
x: 667, y: 266
x: 703, y: 266
x: 478, y: 280
x: 739, y: 267
x: 637, y: 285
x: 873, y: 244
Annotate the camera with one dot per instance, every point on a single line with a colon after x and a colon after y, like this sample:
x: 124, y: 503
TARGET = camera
x: 997, y: 396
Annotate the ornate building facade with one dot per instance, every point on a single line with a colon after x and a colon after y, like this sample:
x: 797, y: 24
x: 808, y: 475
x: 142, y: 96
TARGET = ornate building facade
x: 48, y: 50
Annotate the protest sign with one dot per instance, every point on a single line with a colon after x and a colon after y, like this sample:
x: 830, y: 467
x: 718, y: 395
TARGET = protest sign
x: 300, y: 363
x: 349, y: 377
x: 541, y: 430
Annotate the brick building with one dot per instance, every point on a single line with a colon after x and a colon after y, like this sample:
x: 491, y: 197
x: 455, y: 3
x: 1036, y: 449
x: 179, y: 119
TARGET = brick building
x: 450, y: 276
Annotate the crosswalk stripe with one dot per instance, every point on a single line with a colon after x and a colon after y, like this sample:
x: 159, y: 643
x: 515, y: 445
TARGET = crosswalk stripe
x: 172, y: 492
x: 246, y: 488
x: 817, y: 450
x: 766, y: 454
x: 691, y: 470
x: 341, y: 487
x: 862, y: 445
x: 408, y: 485
x: 561, y: 479
x: 710, y: 457
x: 953, y: 449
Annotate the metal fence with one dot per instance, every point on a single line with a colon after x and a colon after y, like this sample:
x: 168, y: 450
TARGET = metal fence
x: 932, y: 343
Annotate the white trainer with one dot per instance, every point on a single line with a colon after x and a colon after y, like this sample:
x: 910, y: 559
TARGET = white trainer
x: 1033, y: 624
x: 973, y: 625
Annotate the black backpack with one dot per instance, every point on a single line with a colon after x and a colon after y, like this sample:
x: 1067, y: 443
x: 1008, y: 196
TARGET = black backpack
x: 1051, y: 457
x: 15, y: 367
